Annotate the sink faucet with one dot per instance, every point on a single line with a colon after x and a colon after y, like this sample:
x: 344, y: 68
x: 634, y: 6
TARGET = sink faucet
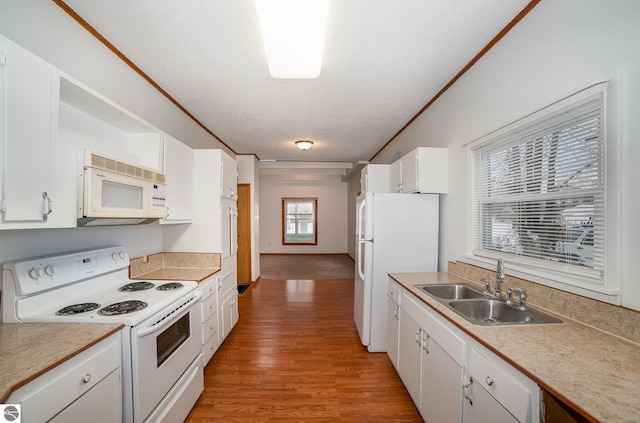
x: 497, y: 292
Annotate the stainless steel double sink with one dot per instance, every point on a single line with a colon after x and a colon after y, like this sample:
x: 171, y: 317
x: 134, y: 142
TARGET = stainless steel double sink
x: 481, y: 309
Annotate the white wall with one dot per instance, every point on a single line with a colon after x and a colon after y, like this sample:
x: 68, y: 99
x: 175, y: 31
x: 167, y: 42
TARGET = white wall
x: 558, y: 48
x: 332, y: 214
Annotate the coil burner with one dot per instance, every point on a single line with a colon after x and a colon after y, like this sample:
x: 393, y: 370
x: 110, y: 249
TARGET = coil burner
x: 77, y: 308
x: 136, y: 286
x: 123, y: 307
x: 169, y: 286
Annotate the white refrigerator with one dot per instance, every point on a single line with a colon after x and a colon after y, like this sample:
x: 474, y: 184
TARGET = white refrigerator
x: 394, y: 233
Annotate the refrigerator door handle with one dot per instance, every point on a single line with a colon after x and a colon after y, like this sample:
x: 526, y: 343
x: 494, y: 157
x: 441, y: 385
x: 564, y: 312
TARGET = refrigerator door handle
x: 360, y: 257
x: 360, y: 220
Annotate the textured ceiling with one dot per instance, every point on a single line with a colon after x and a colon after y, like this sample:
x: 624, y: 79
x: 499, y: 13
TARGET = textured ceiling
x: 383, y: 61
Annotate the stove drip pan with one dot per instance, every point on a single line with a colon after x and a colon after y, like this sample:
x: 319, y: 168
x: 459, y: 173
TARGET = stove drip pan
x: 123, y: 307
x: 169, y: 286
x: 136, y: 286
x: 77, y: 308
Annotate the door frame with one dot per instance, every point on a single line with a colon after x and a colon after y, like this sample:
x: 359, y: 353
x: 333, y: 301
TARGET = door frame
x: 244, y: 233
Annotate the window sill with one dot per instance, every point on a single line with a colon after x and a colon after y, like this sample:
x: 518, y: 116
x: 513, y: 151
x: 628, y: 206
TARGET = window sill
x: 551, y: 279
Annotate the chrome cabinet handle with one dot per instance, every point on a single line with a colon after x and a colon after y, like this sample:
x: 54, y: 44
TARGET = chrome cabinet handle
x: 48, y: 208
x: 86, y: 378
x: 489, y: 381
x: 465, y: 388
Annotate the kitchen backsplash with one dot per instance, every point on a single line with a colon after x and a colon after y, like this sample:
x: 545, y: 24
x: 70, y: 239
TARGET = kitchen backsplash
x: 173, y: 260
x: 616, y: 320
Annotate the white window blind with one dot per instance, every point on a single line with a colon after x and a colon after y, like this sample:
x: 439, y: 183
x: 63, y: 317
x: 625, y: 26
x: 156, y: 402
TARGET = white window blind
x: 538, y: 191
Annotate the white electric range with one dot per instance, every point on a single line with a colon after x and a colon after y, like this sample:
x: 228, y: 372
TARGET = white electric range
x: 162, y: 363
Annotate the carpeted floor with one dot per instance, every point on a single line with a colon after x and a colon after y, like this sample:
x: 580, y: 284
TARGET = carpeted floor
x: 306, y: 266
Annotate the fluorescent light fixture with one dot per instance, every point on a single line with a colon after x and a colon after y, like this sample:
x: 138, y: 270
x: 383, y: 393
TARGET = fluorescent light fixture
x: 304, y: 144
x: 293, y: 33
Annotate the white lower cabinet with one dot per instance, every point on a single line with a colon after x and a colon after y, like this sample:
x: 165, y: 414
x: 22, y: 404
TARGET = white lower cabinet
x: 83, y: 388
x: 430, y: 362
x: 228, y: 304
x: 219, y: 311
x: 441, y: 392
x: 210, y: 316
x: 494, y: 388
x: 229, y: 313
x: 410, y: 355
x: 393, y: 325
x: 482, y: 407
x: 450, y: 376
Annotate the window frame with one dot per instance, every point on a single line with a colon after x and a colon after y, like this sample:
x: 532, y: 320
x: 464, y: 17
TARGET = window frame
x: 314, y: 201
x: 608, y: 290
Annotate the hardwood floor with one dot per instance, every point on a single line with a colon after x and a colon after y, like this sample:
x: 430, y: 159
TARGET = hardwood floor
x: 295, y: 356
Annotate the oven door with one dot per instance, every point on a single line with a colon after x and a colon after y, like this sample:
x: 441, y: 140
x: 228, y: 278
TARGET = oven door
x: 162, y: 348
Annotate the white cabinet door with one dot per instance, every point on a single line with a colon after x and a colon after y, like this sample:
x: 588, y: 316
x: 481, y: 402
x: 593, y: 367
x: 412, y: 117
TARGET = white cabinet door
x: 229, y: 177
x: 409, y: 172
x: 395, y: 176
x: 229, y: 313
x: 480, y: 406
x: 228, y: 228
x: 375, y: 178
x: 441, y: 385
x: 178, y: 167
x: 27, y: 119
x: 393, y: 327
x: 410, y: 355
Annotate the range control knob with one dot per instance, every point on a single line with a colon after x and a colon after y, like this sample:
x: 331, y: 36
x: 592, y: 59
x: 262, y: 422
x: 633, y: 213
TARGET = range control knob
x: 35, y: 273
x: 114, y: 256
x: 50, y: 270
x: 121, y: 255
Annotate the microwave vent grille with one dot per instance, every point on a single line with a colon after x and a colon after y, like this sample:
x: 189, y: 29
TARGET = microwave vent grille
x: 110, y: 165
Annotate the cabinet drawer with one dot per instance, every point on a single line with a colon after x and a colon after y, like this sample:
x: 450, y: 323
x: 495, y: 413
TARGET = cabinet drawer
x: 209, y: 348
x: 503, y: 386
x: 209, y: 307
x: 209, y: 328
x: 394, y: 291
x: 208, y: 287
x: 55, y: 390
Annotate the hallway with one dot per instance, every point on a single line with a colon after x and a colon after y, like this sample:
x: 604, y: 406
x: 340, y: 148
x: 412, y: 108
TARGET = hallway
x: 295, y: 356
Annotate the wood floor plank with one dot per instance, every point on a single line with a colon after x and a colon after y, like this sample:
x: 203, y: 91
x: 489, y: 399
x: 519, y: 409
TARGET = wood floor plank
x: 295, y: 356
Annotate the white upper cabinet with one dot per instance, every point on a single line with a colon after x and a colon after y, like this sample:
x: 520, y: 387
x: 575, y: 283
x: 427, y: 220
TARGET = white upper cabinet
x: 28, y: 120
x: 90, y: 120
x: 229, y: 177
x: 178, y: 168
x: 375, y: 178
x: 423, y: 170
x: 395, y: 176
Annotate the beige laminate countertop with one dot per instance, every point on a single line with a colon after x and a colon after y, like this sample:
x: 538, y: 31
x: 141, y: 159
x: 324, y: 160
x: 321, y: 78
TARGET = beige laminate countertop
x: 28, y: 350
x: 175, y: 266
x: 596, y: 373
x: 178, y: 274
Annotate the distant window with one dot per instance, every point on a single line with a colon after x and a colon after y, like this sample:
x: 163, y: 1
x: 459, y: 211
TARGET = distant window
x: 299, y: 221
x: 538, y: 190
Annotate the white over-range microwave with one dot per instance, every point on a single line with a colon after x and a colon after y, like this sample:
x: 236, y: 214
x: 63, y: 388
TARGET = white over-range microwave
x: 115, y: 192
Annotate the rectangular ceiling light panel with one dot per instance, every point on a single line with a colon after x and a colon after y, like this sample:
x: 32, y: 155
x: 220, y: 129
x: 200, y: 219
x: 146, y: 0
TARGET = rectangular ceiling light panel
x: 293, y: 33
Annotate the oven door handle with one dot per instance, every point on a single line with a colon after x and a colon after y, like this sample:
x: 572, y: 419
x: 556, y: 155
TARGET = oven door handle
x: 168, y: 322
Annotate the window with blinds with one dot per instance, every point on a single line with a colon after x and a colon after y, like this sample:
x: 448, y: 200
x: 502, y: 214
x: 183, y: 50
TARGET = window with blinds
x: 538, y: 190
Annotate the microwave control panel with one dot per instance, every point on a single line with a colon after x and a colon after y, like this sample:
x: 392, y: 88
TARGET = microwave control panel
x: 159, y: 198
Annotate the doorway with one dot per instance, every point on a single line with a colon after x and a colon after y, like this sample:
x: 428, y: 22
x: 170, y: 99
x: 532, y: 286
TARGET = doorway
x: 244, y: 233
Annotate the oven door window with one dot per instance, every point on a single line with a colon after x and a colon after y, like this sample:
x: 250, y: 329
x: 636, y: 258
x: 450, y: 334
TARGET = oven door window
x: 171, y: 339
